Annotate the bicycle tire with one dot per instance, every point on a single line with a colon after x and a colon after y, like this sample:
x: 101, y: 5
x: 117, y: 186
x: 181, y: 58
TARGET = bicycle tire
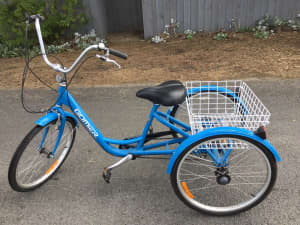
x: 187, y: 195
x: 12, y: 172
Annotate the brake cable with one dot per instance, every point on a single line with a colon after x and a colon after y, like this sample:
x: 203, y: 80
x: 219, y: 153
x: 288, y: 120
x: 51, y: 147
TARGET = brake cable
x: 27, y: 69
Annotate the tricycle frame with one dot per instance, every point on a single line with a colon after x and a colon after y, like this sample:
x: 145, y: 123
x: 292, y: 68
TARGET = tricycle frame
x: 176, y: 126
x: 135, y: 146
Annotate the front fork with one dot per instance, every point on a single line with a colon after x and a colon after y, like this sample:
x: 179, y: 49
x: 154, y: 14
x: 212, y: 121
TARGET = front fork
x: 61, y: 121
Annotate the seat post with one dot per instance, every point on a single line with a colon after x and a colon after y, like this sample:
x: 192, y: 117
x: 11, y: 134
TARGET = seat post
x: 148, y: 124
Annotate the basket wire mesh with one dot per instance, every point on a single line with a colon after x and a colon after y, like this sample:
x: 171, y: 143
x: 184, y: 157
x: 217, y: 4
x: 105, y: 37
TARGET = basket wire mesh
x: 224, y: 103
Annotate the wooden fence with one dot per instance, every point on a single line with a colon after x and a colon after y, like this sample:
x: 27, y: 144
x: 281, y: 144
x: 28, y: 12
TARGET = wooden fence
x: 151, y: 16
x: 212, y: 15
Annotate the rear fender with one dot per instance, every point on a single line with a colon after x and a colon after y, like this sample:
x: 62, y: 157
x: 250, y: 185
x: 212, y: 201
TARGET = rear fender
x: 220, y: 131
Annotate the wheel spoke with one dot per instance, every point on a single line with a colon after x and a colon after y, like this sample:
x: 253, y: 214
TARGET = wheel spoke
x: 236, y: 156
x: 245, y: 183
x: 241, y: 191
x: 199, y: 158
x: 201, y: 164
x: 30, y: 165
x: 247, y: 173
x: 197, y: 178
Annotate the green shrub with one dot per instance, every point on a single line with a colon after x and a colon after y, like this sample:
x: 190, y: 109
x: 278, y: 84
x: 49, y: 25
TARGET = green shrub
x: 221, y: 36
x: 268, y: 25
x: 83, y: 41
x: 189, y: 34
x: 6, y: 52
x: 263, y: 34
x: 80, y: 41
x: 60, y: 17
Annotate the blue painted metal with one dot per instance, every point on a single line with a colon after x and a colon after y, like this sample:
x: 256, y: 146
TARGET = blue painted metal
x: 174, y: 120
x: 170, y: 110
x: 163, y: 143
x: 212, y: 156
x: 226, y: 155
x: 46, y: 119
x: 91, y: 128
x: 217, y: 157
x: 43, y: 138
x: 122, y: 142
x: 147, y: 126
x: 65, y: 98
x: 61, y: 128
x: 220, y: 131
x: 51, y: 116
x: 168, y: 124
x: 152, y: 152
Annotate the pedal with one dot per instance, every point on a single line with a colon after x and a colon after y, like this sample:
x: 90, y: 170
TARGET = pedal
x: 106, y: 175
x: 107, y: 170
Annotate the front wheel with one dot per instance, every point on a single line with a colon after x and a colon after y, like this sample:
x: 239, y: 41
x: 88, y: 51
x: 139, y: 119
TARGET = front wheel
x: 243, y: 182
x: 32, y: 165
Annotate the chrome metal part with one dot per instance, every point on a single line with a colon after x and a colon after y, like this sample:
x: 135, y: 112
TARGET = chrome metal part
x: 106, y: 59
x: 107, y: 170
x: 58, y: 67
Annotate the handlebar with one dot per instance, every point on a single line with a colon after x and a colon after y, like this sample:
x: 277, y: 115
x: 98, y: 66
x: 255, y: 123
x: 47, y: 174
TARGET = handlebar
x: 118, y: 53
x: 58, y: 67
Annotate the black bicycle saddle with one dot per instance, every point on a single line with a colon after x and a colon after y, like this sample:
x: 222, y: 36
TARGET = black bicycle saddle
x: 168, y: 93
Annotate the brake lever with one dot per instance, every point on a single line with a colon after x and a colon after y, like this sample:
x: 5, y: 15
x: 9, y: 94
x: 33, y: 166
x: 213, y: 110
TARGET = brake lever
x: 106, y: 59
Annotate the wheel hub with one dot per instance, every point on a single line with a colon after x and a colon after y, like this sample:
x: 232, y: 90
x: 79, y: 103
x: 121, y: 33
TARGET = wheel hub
x: 45, y: 152
x: 223, y: 180
x: 222, y: 176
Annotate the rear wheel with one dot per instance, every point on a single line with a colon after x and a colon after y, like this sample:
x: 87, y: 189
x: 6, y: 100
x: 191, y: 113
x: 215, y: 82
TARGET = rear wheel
x: 31, y: 165
x: 246, y: 179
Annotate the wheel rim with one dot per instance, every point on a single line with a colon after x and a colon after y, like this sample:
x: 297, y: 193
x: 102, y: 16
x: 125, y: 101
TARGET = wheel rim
x: 34, y: 167
x: 249, y: 171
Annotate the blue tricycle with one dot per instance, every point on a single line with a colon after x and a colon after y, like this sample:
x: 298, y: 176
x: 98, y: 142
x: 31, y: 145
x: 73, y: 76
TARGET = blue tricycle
x: 220, y: 160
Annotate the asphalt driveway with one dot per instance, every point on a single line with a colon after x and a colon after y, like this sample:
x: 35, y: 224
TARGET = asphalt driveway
x: 140, y: 191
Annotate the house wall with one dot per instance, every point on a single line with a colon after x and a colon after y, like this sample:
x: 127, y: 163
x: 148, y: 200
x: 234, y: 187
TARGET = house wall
x: 211, y: 15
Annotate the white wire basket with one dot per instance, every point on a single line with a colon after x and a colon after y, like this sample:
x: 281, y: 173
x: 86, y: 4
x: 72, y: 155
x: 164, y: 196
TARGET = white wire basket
x: 224, y: 104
